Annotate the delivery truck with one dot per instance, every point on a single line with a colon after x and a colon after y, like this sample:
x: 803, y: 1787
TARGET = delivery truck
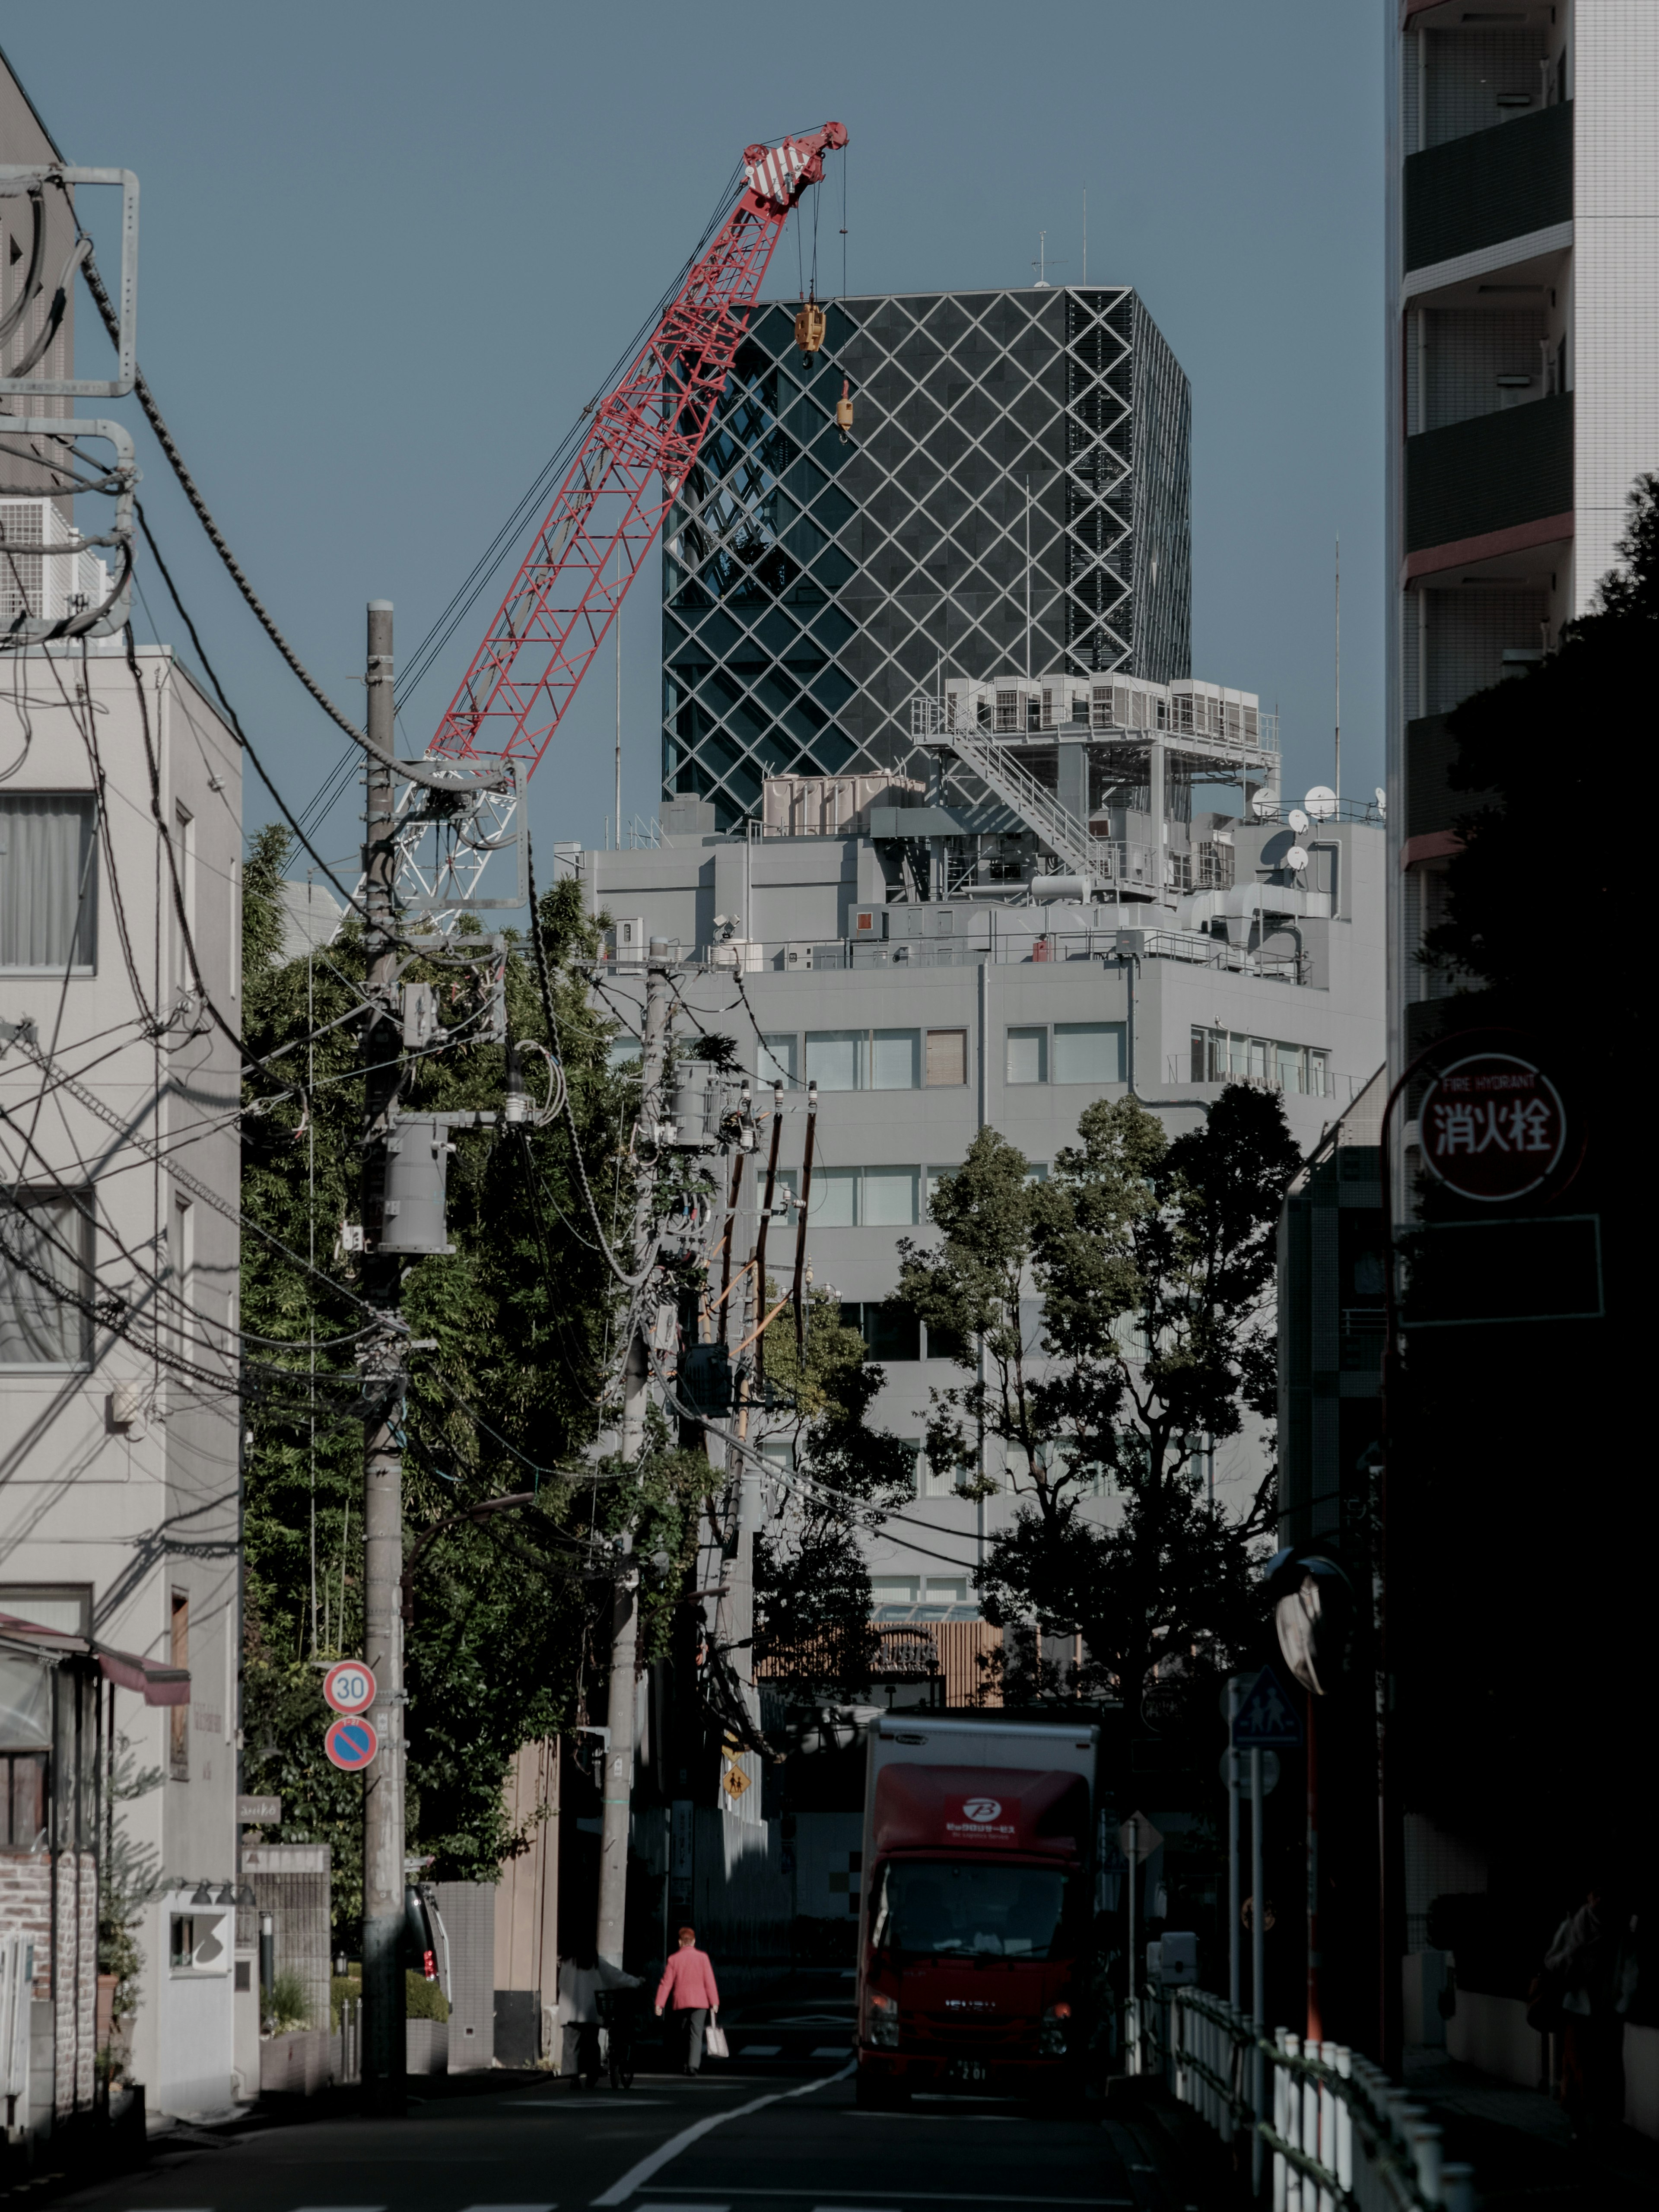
x: 977, y: 1905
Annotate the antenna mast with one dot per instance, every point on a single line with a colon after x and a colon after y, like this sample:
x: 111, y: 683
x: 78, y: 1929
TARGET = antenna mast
x: 1337, y: 779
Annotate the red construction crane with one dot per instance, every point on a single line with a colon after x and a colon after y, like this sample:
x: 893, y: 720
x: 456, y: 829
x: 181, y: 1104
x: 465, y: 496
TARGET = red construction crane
x: 643, y: 439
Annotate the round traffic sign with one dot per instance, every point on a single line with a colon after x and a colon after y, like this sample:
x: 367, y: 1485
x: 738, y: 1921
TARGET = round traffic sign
x: 1492, y: 1126
x: 351, y: 1743
x: 350, y: 1686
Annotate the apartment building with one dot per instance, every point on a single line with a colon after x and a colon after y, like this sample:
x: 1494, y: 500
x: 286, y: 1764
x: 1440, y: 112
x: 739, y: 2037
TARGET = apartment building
x: 1523, y: 297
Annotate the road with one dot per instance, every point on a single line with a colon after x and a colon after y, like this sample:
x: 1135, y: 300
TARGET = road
x: 774, y: 2131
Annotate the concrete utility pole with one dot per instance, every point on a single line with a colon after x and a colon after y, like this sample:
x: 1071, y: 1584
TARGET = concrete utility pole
x: 384, y: 2060
x: 636, y: 1370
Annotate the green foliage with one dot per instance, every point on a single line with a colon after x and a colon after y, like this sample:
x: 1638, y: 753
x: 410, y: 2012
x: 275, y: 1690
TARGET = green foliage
x: 423, y: 2000
x: 1153, y: 1261
x: 343, y: 1989
x: 129, y: 1876
x: 507, y: 1401
x: 811, y: 1585
x: 1511, y: 751
x: 287, y: 2006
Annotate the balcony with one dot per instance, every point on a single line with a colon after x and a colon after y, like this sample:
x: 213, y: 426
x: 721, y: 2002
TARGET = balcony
x: 1431, y: 803
x: 1492, y: 472
x: 1503, y: 183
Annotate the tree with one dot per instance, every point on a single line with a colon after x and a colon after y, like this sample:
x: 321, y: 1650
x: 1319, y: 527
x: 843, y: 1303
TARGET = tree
x: 511, y: 1614
x: 1118, y: 1316
x: 811, y: 1585
x: 1494, y: 1535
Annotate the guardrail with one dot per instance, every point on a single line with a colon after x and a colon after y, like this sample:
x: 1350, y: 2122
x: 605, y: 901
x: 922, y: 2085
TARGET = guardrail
x: 1330, y: 2132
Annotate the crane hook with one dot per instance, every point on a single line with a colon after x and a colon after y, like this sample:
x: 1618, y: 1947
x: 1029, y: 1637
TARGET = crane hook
x: 810, y: 327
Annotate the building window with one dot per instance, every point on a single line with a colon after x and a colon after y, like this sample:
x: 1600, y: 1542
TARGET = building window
x: 181, y: 1951
x: 66, y: 1607
x: 48, y: 883
x: 178, y: 1715
x: 46, y: 1265
x: 1028, y: 1055
x: 863, y: 1060
x: 947, y: 1058
x: 23, y: 1799
x: 862, y: 1198
x: 778, y: 1061
x: 1088, y: 1052
x: 622, y: 1052
x: 183, y: 927
x: 890, y: 1329
x: 1070, y: 1052
x: 1224, y: 1056
x: 835, y: 1059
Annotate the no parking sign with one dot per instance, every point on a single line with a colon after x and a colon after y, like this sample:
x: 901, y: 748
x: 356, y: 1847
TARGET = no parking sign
x: 351, y: 1743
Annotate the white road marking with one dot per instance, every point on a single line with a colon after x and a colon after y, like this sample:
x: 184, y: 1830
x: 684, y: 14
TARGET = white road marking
x: 510, y: 2208
x: 637, y: 2176
x: 831, y: 2050
x: 761, y: 2051
x: 624, y: 2101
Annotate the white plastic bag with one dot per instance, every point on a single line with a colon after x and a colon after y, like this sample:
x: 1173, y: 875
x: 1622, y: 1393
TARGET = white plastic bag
x: 714, y: 2040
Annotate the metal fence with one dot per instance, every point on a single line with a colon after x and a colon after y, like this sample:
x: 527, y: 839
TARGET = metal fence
x: 1329, y: 2132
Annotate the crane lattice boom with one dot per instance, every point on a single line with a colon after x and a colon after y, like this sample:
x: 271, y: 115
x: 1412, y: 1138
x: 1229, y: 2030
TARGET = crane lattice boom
x: 643, y: 439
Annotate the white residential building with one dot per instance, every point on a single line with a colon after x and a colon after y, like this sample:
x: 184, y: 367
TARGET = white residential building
x: 120, y: 843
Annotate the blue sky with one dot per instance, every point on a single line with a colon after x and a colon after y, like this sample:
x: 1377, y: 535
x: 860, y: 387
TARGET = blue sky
x: 388, y: 250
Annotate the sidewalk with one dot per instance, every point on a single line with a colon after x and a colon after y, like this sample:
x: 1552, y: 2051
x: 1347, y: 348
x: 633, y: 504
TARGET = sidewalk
x: 1521, y: 2147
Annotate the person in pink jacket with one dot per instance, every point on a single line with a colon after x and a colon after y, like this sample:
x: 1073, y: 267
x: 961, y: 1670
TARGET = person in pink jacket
x: 687, y: 1989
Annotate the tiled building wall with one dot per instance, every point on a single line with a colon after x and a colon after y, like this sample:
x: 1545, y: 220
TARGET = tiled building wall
x: 1616, y: 279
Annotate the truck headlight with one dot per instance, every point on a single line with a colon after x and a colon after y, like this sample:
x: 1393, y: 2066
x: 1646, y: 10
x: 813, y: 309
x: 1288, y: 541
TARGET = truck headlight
x: 1051, y: 2037
x: 881, y: 2022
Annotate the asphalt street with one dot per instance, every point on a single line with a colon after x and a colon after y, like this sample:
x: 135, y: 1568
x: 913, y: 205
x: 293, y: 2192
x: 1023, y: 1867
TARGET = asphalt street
x: 745, y: 2141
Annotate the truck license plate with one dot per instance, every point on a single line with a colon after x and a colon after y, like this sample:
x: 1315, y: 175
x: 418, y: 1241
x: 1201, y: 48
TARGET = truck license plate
x: 970, y: 2069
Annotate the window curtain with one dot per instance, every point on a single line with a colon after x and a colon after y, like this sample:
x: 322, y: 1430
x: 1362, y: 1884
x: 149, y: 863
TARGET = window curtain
x: 38, y: 1329
x: 48, y: 881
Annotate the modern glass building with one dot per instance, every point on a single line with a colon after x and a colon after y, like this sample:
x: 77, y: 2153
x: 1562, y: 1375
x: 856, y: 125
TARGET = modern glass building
x: 1013, y: 498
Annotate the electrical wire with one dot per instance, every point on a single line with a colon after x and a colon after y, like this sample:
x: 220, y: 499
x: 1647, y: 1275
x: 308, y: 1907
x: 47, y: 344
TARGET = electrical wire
x: 628, y: 1282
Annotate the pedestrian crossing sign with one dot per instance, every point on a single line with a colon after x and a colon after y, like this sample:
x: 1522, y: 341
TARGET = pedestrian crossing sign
x: 1267, y: 1720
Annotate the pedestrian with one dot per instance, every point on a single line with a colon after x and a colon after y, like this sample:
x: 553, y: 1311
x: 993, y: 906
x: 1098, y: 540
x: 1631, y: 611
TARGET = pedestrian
x: 581, y: 1977
x: 688, y: 1988
x: 1592, y: 1963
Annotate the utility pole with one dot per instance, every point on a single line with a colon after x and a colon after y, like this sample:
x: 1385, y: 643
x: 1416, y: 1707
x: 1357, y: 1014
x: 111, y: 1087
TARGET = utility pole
x: 383, y: 2061
x: 619, y: 1757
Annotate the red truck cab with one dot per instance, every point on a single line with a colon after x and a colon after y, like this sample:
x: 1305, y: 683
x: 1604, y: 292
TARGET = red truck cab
x: 978, y: 1888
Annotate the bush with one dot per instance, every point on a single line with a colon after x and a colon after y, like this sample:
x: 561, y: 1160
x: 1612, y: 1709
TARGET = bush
x: 423, y: 2000
x: 342, y: 1991
x: 288, y: 2008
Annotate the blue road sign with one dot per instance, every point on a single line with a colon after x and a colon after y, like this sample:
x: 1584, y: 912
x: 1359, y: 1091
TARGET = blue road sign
x: 1267, y: 1720
x: 351, y: 1743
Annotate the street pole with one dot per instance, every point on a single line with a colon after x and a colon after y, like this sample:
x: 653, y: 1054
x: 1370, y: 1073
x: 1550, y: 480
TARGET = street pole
x: 1234, y: 1962
x: 384, y: 2056
x: 1258, y: 1964
x: 624, y: 1619
x: 1132, y: 2056
x: 1315, y: 2010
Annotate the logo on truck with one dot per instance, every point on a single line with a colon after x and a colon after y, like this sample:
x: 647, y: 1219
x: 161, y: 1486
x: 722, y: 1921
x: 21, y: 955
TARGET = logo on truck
x: 981, y: 1822
x: 981, y: 1808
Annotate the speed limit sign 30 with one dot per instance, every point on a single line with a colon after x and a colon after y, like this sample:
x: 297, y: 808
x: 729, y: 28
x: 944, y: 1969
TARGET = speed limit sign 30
x: 349, y: 1686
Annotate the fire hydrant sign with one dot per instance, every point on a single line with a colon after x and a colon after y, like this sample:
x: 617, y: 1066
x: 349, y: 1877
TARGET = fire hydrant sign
x: 351, y: 1743
x: 350, y: 1686
x: 1492, y: 1126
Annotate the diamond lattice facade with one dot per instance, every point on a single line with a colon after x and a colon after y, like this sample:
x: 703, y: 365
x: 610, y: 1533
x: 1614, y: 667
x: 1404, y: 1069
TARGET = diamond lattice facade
x: 1013, y: 498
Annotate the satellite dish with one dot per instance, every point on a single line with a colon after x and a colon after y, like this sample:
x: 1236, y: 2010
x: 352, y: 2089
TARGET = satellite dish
x: 1298, y: 820
x: 1259, y: 803
x: 1382, y: 802
x: 1321, y: 802
x: 1297, y: 858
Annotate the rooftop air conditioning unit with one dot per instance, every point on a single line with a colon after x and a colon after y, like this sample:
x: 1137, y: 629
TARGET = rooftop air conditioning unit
x: 36, y: 584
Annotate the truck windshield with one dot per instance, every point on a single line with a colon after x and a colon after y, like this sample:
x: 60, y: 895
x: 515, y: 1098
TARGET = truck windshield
x: 940, y: 1908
